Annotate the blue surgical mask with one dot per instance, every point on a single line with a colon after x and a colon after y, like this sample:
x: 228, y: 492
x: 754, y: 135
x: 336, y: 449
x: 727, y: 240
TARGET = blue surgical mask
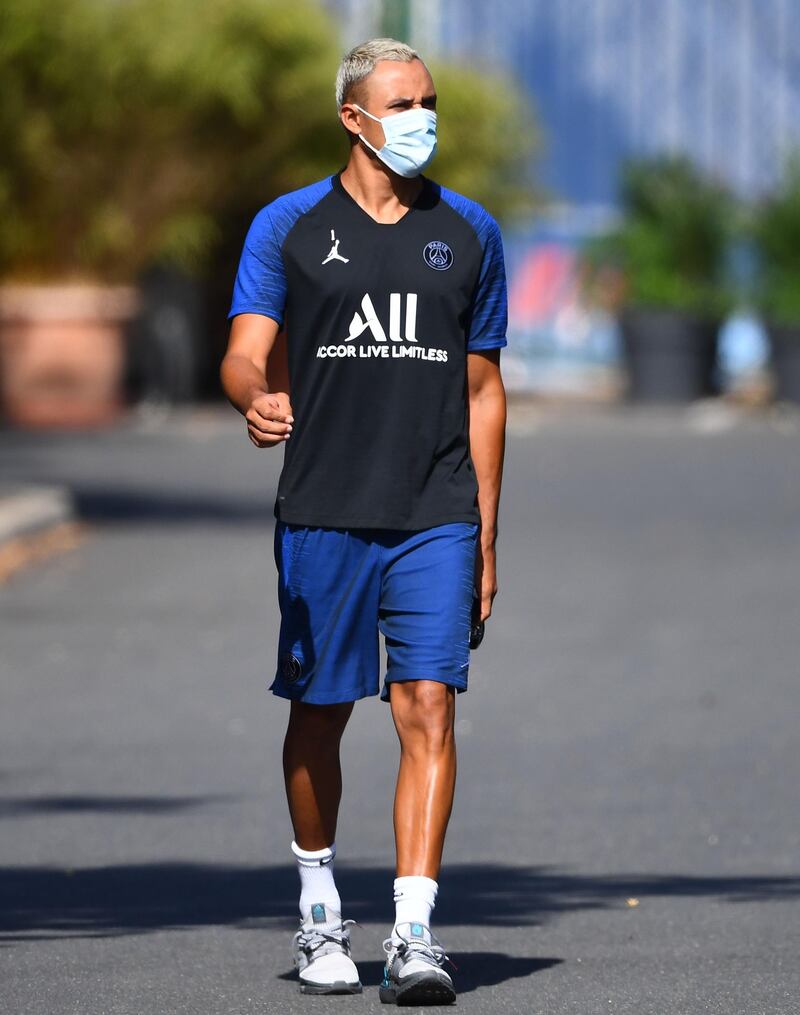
x: 410, y: 140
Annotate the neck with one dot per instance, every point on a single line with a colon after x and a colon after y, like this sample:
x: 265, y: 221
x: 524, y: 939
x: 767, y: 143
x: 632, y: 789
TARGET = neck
x: 381, y: 193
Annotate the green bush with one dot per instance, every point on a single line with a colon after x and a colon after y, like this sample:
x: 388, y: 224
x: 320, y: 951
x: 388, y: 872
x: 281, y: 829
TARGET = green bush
x: 133, y: 124
x: 775, y: 227
x: 672, y: 241
x: 138, y: 131
x: 487, y: 140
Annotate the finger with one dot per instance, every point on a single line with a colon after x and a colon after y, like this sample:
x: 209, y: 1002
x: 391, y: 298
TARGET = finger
x: 276, y: 405
x: 285, y: 405
x: 264, y: 415
x: 268, y: 426
x: 268, y: 420
x: 267, y: 443
x: 487, y: 600
x: 272, y: 408
x: 265, y: 440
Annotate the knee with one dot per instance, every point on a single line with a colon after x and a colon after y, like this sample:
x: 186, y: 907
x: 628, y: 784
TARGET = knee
x: 324, y: 721
x: 424, y: 712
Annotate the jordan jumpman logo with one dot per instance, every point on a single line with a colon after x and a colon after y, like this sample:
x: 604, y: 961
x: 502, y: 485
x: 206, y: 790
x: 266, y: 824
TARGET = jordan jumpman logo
x: 334, y: 254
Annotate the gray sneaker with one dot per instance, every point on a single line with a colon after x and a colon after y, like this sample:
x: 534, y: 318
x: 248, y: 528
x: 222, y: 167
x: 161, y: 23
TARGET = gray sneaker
x: 413, y: 972
x: 321, y: 953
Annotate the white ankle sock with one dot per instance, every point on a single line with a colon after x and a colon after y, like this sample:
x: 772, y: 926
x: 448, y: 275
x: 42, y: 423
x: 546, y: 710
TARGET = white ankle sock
x: 318, y: 895
x: 414, y: 897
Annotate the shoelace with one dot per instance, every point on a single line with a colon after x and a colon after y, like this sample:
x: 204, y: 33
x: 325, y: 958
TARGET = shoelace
x: 312, y: 939
x: 432, y: 952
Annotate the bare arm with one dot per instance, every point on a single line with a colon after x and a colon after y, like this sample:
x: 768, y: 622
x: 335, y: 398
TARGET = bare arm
x: 243, y: 373
x: 487, y: 425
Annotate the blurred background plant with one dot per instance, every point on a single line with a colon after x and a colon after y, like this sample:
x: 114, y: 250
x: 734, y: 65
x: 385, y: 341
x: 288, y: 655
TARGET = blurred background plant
x: 489, y: 137
x: 125, y: 146
x: 140, y: 137
x: 139, y: 140
x: 666, y: 262
x: 671, y: 240
x: 775, y: 229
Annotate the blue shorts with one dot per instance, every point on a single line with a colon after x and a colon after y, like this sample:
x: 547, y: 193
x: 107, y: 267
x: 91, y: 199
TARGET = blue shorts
x: 337, y: 588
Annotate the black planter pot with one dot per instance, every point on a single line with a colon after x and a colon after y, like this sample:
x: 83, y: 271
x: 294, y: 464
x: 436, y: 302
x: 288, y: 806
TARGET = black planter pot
x: 670, y: 355
x: 784, y: 341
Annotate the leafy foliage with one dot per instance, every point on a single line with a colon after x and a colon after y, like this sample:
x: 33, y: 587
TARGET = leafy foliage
x: 672, y: 241
x: 775, y: 228
x: 487, y: 140
x: 137, y: 131
x: 131, y: 124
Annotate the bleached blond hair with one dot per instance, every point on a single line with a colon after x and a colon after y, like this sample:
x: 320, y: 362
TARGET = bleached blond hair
x: 360, y: 62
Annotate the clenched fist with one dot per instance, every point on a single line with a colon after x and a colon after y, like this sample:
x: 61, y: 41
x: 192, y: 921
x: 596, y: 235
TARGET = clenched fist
x: 269, y: 419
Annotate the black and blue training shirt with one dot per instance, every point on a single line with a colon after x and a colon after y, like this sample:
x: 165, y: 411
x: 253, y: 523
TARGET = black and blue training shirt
x: 379, y: 320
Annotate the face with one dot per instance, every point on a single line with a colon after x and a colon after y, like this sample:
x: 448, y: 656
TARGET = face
x: 391, y: 88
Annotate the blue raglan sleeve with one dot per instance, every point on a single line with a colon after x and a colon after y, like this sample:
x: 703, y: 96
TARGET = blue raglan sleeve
x: 489, y: 319
x: 260, y: 286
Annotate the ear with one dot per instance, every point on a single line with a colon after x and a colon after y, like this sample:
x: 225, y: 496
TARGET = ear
x: 351, y: 118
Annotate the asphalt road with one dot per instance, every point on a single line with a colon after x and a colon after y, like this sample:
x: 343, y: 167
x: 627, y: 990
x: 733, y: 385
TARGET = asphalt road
x: 626, y: 835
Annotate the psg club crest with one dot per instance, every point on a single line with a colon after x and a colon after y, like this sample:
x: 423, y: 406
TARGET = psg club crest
x: 291, y: 668
x: 438, y: 255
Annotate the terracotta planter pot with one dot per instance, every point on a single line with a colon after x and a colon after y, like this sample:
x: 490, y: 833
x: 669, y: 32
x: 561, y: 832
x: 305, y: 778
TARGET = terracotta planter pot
x: 62, y: 353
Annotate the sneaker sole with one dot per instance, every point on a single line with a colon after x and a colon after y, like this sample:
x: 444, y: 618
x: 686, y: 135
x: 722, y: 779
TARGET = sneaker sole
x: 418, y: 989
x: 337, y: 987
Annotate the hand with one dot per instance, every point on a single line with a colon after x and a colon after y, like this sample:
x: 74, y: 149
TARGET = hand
x: 269, y: 419
x: 486, y: 577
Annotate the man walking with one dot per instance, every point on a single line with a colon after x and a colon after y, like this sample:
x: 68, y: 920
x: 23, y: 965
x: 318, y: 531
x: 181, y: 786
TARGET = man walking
x: 392, y: 293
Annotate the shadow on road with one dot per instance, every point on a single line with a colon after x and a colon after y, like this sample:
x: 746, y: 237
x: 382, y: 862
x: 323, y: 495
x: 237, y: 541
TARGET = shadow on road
x: 107, y: 505
x: 480, y: 969
x: 14, y: 807
x: 38, y: 902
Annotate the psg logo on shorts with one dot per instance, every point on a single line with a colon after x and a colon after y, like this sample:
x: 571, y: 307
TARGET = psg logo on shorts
x: 291, y: 668
x: 438, y: 255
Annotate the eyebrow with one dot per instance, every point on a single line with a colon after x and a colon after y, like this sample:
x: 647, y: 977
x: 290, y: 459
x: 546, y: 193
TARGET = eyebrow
x: 404, y: 98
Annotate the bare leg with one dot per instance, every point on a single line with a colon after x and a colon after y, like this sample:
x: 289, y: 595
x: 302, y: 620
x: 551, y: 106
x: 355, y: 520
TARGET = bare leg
x: 424, y: 714
x: 312, y: 771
